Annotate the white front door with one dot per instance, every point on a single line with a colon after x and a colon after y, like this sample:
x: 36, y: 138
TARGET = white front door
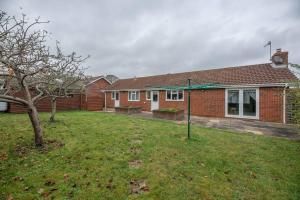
x: 117, y: 99
x: 154, y: 100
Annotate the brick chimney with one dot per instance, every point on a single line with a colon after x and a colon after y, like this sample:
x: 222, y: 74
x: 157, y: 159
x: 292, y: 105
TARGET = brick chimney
x: 280, y: 58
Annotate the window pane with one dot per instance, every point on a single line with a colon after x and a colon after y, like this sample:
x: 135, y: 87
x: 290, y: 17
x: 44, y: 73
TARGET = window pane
x: 148, y: 95
x: 117, y: 95
x: 174, y: 95
x: 155, y: 96
x: 180, y: 94
x: 168, y: 94
x: 249, y: 103
x: 137, y: 97
x: 133, y: 97
x: 129, y: 95
x: 233, y: 102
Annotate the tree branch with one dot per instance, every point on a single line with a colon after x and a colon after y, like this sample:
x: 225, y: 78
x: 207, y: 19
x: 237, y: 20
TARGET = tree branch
x: 12, y: 98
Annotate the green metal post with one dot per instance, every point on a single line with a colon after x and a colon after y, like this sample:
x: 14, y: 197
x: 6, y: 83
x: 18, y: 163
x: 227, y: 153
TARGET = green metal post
x: 189, y: 108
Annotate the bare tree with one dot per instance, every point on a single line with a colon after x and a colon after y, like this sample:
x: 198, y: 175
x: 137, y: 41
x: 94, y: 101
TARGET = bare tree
x: 24, y: 57
x: 62, y: 79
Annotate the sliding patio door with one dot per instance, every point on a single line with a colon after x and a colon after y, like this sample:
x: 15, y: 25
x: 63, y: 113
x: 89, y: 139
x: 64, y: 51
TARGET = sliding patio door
x: 242, y: 103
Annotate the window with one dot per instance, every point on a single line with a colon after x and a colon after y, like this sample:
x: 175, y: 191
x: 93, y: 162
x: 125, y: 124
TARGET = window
x: 115, y: 95
x: 133, y: 96
x: 233, y: 102
x: 148, y: 95
x: 242, y: 103
x: 174, y: 95
x: 249, y: 103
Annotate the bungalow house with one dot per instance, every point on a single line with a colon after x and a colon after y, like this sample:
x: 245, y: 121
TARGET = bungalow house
x: 251, y: 92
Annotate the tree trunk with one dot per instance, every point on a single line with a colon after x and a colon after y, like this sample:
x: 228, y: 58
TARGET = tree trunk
x: 53, y: 109
x: 35, y: 121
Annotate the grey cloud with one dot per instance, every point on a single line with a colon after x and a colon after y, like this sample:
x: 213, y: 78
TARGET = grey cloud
x: 140, y: 37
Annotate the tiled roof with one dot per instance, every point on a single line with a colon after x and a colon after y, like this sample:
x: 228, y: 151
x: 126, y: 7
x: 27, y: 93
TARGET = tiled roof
x: 251, y: 74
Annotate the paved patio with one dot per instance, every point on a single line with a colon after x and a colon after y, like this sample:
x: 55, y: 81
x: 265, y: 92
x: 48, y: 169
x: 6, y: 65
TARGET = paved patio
x: 243, y: 126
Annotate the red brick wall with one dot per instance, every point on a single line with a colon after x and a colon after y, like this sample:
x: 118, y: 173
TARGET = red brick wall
x: 204, y: 103
x: 94, y: 96
x: 210, y: 103
x: 172, y: 104
x: 70, y: 103
x: 271, y: 104
x: 145, y: 104
x: 110, y: 103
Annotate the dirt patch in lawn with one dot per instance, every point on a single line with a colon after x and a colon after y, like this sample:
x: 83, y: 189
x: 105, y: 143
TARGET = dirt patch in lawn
x: 135, y: 150
x: 52, y: 144
x: 138, y: 186
x: 136, y: 141
x: 136, y: 164
x: 22, y: 150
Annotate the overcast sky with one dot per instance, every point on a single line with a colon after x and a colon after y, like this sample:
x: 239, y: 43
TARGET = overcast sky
x: 144, y: 37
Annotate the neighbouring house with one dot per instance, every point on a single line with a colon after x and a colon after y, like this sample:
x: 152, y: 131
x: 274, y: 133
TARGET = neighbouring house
x: 249, y: 92
x: 92, y: 94
x: 89, y: 97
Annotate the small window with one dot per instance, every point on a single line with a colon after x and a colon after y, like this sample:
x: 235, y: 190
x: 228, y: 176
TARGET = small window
x: 174, y: 95
x: 113, y: 95
x: 180, y: 94
x: 133, y: 96
x: 169, y: 94
x: 148, y: 95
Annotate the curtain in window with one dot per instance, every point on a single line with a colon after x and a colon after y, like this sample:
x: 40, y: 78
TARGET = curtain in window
x: 233, y: 96
x: 249, y: 95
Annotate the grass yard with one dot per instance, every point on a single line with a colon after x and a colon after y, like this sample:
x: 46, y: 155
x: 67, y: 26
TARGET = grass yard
x: 107, y: 156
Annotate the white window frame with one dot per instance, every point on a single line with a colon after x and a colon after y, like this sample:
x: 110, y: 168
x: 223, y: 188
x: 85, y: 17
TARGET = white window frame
x: 148, y: 97
x: 113, y: 95
x: 177, y: 92
x: 134, y: 91
x: 241, y: 107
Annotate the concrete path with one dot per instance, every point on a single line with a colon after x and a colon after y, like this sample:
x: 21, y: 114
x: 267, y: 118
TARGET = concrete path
x: 242, y: 126
x: 250, y: 126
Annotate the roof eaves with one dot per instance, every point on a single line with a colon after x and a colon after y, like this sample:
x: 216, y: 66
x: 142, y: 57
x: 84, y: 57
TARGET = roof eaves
x: 102, y: 77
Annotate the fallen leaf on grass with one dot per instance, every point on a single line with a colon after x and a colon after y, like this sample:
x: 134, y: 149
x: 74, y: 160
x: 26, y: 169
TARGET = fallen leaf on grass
x: 138, y: 186
x: 253, y: 175
x: 53, y: 189
x: 66, y: 176
x: 40, y: 191
x: 3, y: 156
x: 49, y: 182
x: 17, y: 178
x: 74, y: 185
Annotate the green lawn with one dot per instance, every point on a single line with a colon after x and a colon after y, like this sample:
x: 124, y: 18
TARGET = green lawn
x: 94, y: 162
